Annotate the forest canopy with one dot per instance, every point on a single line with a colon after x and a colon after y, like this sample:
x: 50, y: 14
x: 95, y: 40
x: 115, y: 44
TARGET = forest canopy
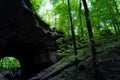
x: 103, y: 17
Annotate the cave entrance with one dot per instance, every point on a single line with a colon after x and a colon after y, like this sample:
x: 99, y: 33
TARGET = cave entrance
x: 9, y: 62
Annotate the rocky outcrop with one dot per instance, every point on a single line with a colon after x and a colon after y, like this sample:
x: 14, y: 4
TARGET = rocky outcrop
x: 26, y: 37
x: 11, y: 74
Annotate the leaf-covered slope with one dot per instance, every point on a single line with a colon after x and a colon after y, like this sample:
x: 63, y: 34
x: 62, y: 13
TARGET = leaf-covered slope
x: 108, y: 66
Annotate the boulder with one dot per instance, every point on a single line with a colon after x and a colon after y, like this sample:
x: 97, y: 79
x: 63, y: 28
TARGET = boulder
x: 25, y: 36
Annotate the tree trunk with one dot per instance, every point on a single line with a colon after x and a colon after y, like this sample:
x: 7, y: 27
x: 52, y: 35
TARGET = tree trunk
x: 91, y: 37
x: 72, y: 30
x: 55, y: 20
x: 114, y: 20
x: 118, y: 13
x: 80, y: 15
x: 116, y: 7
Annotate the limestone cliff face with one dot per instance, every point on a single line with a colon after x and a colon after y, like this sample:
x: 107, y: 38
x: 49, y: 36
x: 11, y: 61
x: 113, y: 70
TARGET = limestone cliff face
x: 24, y: 36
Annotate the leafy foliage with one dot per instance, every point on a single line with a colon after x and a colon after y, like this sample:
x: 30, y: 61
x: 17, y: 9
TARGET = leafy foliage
x: 106, y: 32
x: 9, y: 62
x: 36, y: 4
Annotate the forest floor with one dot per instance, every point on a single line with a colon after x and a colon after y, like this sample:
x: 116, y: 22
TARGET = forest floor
x: 108, y: 64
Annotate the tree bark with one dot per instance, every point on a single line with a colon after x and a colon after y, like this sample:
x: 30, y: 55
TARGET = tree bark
x: 114, y: 20
x: 116, y: 7
x: 91, y: 38
x: 80, y: 15
x: 118, y: 13
x: 73, y: 34
x: 72, y: 28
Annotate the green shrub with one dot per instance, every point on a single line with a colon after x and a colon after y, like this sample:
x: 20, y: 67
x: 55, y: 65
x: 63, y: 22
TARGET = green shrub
x: 106, y: 32
x: 9, y: 62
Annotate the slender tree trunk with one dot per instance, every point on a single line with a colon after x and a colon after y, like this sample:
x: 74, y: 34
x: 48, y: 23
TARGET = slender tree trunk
x: 80, y: 15
x: 92, y: 42
x: 113, y: 17
x: 116, y: 7
x: 118, y: 13
x: 72, y: 29
x: 98, y: 22
x: 55, y: 20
